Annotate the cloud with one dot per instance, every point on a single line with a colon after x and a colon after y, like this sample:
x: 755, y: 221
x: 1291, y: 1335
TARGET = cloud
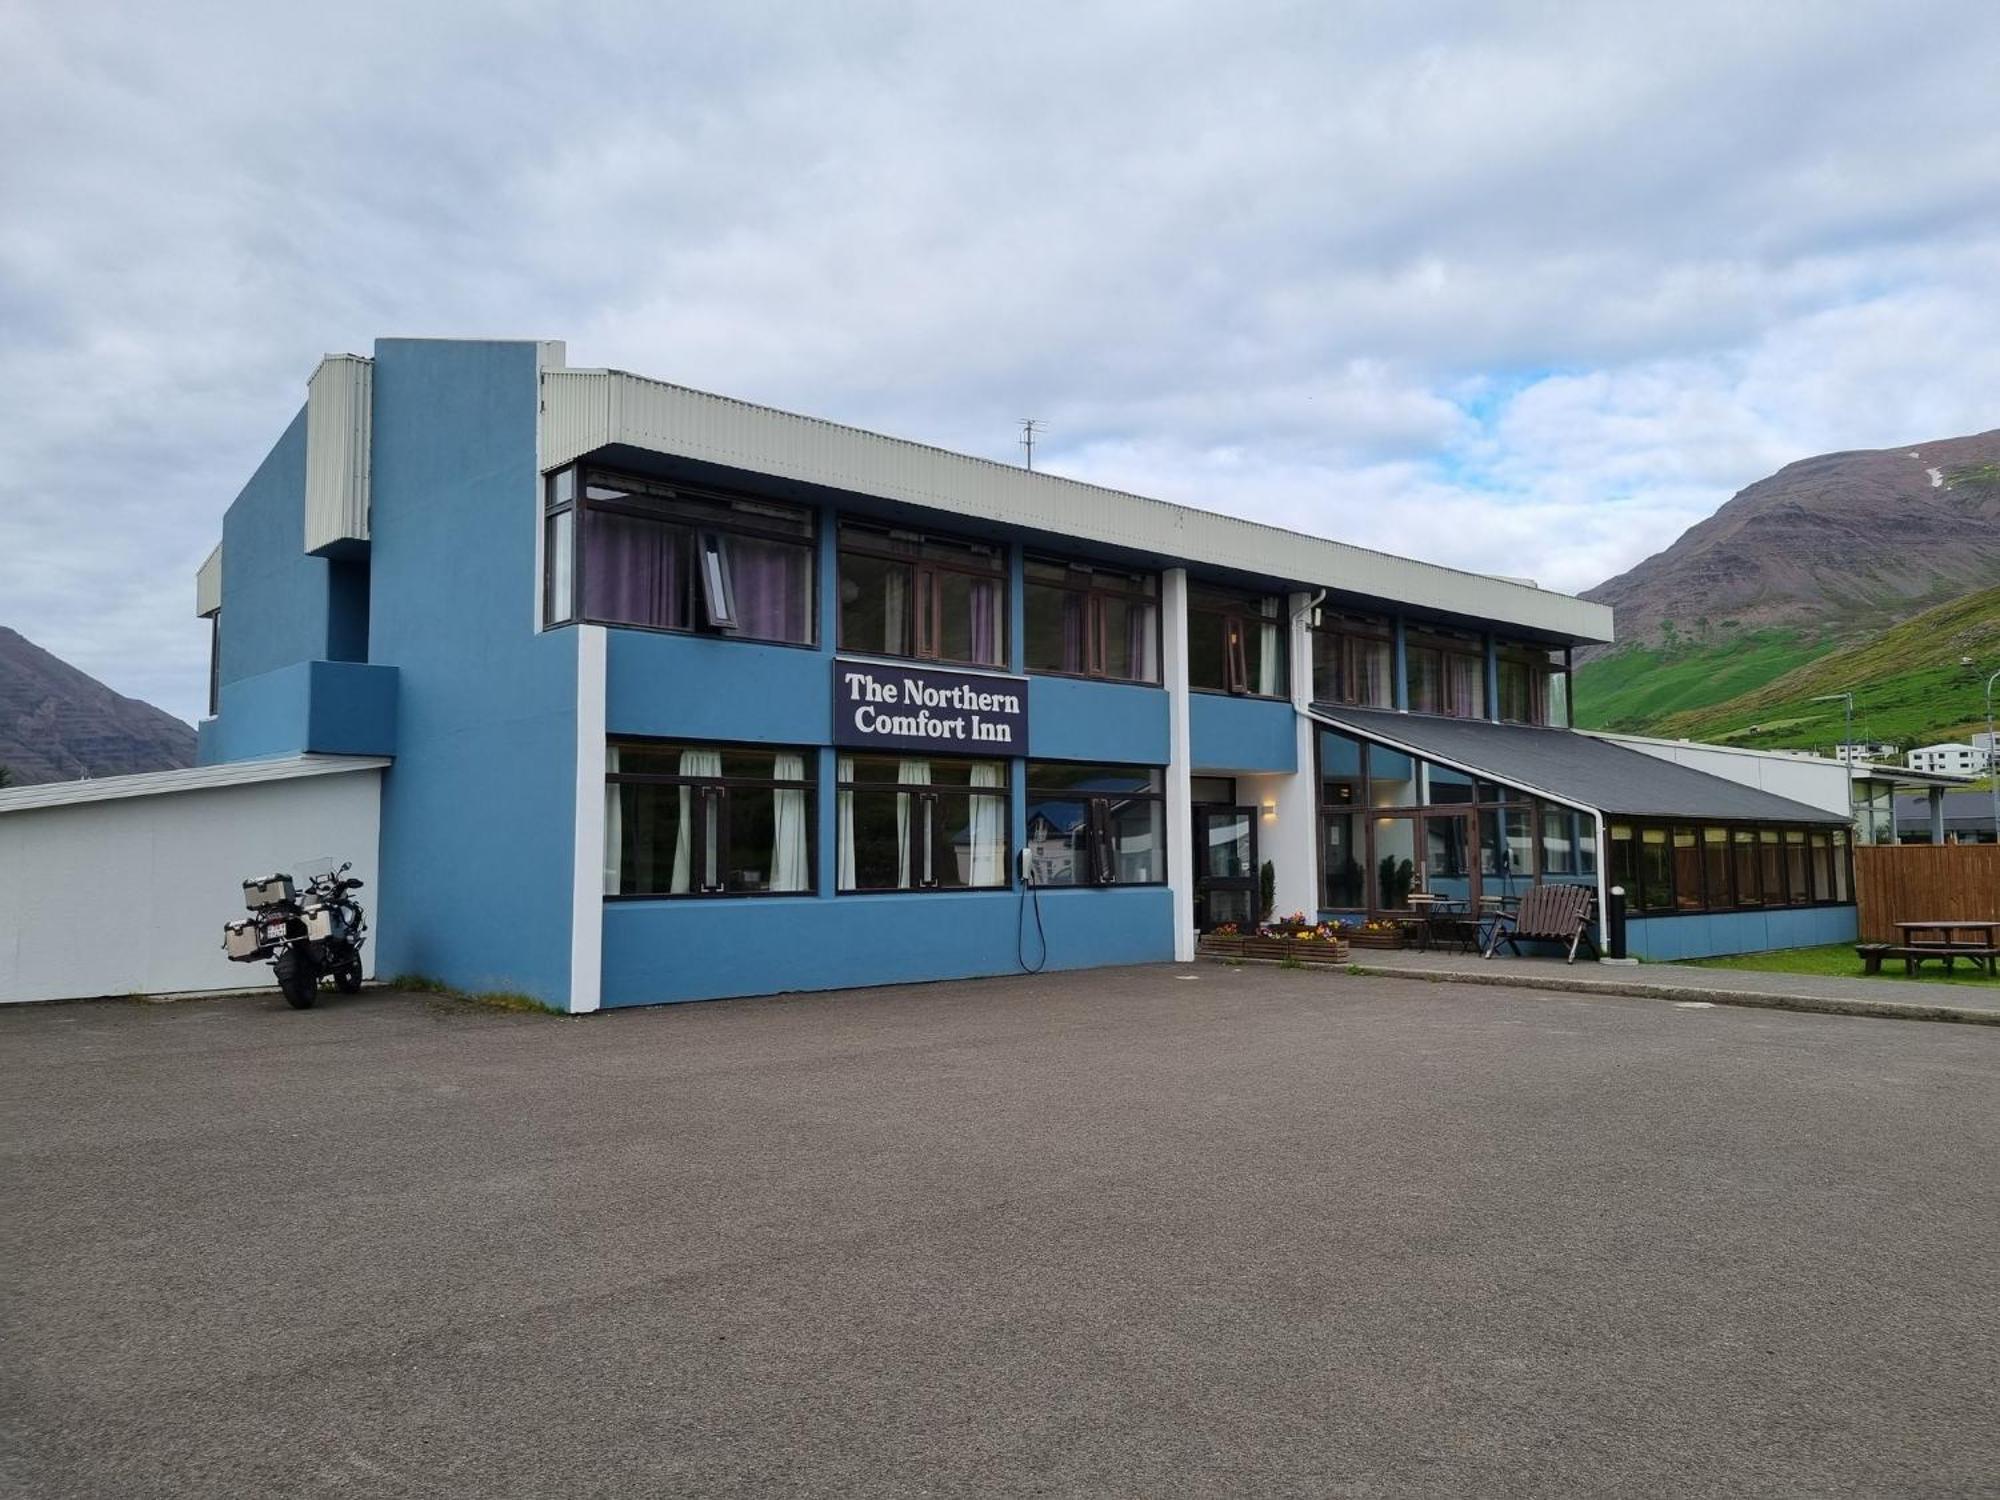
x: 1527, y: 288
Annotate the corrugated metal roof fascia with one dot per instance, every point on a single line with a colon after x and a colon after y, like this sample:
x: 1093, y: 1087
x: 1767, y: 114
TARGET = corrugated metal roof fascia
x: 339, y: 434
x: 186, y: 779
x: 1376, y: 737
x: 586, y: 409
x: 208, y: 584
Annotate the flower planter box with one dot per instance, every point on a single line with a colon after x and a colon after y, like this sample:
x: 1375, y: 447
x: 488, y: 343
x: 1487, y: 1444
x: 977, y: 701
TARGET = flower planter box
x: 1391, y: 939
x: 1300, y: 950
x: 1220, y: 945
x: 1320, y: 951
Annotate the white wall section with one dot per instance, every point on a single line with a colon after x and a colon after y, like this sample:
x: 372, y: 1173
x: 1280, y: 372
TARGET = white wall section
x: 339, y: 433
x: 586, y: 926
x: 127, y: 893
x: 1180, y: 769
x: 208, y: 584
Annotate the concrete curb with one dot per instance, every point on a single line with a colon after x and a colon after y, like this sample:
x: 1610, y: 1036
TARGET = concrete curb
x: 1882, y: 1010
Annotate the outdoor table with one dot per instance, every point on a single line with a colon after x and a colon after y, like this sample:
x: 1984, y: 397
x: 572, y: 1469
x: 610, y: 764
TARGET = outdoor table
x: 1979, y: 946
x: 1447, y: 918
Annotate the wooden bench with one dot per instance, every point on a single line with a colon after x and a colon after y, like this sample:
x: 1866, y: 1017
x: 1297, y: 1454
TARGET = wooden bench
x: 1913, y: 954
x: 1548, y: 914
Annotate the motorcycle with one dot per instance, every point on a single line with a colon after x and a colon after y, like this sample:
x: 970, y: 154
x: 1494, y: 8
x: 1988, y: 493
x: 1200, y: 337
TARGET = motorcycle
x: 306, y: 936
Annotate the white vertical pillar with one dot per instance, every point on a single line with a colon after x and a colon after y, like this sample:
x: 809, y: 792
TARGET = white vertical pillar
x: 1292, y: 837
x: 1180, y: 769
x: 586, y: 918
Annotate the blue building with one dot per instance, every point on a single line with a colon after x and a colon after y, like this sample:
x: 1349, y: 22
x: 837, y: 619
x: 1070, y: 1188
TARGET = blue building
x: 688, y: 698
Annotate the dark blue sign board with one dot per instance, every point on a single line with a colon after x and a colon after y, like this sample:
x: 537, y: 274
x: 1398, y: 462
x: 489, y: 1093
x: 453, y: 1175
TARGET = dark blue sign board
x: 882, y: 706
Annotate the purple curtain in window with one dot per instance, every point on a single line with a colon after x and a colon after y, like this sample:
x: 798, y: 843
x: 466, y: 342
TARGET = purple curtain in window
x: 773, y: 597
x: 986, y: 645
x: 1075, y: 612
x: 632, y: 570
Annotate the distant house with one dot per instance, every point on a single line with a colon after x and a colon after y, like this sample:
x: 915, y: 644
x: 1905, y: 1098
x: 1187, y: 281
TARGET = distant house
x: 1852, y: 754
x: 1968, y: 819
x: 1954, y: 759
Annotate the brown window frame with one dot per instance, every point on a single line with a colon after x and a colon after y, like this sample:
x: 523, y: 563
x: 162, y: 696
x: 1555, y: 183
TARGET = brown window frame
x: 1101, y: 582
x: 1239, y: 610
x: 908, y: 548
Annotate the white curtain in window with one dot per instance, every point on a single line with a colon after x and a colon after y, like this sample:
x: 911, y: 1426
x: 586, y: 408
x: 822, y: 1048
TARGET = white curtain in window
x: 694, y: 763
x: 789, y: 844
x: 614, y: 823
x: 1267, y: 652
x: 843, y: 812
x: 908, y: 773
x: 989, y: 829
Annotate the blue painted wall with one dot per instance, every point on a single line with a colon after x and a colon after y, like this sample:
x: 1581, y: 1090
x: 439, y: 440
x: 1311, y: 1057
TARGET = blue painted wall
x: 1241, y: 734
x: 329, y: 707
x: 1071, y: 719
x: 478, y: 810
x: 1662, y: 939
x: 702, y: 687
x: 692, y: 950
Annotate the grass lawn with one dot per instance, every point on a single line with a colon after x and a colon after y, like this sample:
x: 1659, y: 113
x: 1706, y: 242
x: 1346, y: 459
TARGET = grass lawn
x: 1840, y: 959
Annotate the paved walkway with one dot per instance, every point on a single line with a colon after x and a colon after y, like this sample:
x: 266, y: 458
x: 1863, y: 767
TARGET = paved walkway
x: 1892, y: 998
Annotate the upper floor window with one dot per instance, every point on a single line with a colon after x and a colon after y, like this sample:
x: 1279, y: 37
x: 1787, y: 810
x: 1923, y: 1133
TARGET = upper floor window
x: 1526, y: 676
x: 1447, y: 675
x: 1354, y: 661
x: 907, y: 594
x: 707, y: 820
x: 1236, y: 642
x: 624, y: 551
x: 1093, y: 622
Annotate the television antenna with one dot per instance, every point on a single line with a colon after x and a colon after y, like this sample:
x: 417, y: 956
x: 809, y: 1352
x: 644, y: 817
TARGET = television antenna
x: 1029, y: 427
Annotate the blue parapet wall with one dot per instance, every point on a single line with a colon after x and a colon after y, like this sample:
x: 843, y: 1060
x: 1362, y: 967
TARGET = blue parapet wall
x: 1715, y: 935
x: 671, y: 950
x: 1241, y: 734
x: 321, y: 707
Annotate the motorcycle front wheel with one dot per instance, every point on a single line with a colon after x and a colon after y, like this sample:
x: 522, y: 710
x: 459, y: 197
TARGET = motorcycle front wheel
x: 347, y: 978
x: 296, y: 979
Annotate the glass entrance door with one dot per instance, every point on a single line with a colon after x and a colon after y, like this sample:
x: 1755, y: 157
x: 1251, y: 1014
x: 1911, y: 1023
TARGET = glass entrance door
x: 1225, y: 866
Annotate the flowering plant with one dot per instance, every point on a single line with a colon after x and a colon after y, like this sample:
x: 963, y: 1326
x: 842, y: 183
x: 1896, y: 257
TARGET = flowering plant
x: 1223, y: 929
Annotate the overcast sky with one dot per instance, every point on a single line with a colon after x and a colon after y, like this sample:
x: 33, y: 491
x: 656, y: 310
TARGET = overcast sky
x: 1521, y: 288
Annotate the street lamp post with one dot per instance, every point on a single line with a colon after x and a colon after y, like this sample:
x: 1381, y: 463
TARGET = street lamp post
x: 1846, y: 723
x: 1992, y: 755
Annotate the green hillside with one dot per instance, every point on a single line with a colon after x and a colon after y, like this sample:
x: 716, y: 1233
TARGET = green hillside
x: 1755, y: 688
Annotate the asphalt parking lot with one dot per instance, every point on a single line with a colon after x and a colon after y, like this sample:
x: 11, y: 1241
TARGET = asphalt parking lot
x: 1142, y: 1232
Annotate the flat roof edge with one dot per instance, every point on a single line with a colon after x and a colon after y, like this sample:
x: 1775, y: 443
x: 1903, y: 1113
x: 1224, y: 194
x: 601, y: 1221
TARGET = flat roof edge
x: 184, y: 779
x: 589, y: 409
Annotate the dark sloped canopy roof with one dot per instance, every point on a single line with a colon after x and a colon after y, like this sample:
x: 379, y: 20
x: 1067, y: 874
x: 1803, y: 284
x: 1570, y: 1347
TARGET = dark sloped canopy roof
x: 1578, y: 768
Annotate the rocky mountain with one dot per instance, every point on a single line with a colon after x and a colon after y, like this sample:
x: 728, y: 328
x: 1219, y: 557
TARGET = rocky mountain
x: 1841, y: 543
x: 57, y: 723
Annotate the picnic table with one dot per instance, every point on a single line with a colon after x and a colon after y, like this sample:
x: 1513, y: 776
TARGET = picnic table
x: 1940, y: 940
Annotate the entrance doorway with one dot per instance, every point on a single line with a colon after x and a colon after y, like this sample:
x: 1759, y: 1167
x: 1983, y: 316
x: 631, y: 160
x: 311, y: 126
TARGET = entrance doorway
x: 1225, y: 866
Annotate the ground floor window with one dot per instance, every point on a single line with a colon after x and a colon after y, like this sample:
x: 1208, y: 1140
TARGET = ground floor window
x: 905, y: 823
x: 1096, y: 824
x: 707, y: 820
x: 1684, y: 868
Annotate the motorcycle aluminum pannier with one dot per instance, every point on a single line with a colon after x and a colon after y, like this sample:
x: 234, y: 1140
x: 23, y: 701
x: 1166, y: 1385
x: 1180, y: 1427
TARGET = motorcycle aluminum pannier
x: 241, y: 942
x: 323, y: 922
x: 270, y: 891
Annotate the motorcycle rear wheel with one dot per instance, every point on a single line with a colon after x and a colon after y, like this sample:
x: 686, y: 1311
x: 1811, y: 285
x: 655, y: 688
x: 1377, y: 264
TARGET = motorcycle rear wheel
x: 296, y: 979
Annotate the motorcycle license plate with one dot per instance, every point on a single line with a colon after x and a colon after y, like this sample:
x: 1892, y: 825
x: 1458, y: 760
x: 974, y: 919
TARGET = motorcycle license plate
x: 274, y: 932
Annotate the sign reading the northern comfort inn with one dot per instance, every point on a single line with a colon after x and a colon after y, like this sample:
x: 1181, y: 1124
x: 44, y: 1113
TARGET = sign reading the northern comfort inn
x: 884, y: 707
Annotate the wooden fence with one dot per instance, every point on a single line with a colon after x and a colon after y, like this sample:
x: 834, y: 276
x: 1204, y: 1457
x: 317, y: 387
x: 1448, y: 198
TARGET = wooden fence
x: 1917, y: 882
